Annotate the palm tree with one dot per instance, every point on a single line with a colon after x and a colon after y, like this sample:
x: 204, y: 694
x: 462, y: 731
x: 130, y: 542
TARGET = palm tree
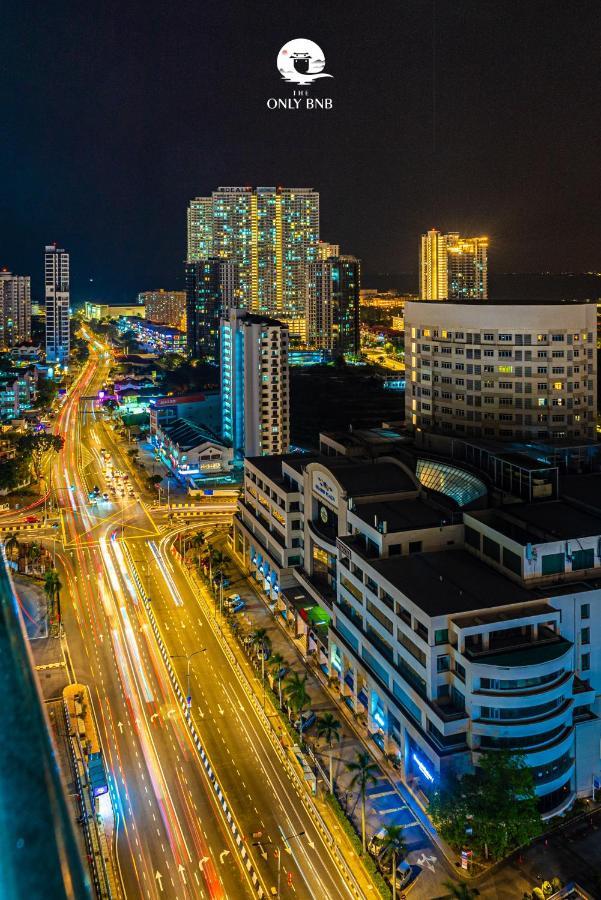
x: 50, y: 582
x: 11, y: 544
x: 295, y: 691
x: 460, y: 890
x: 328, y: 727
x: 217, y: 559
x: 363, y: 770
x: 276, y: 663
x: 393, y: 844
x: 261, y: 643
x: 199, y: 543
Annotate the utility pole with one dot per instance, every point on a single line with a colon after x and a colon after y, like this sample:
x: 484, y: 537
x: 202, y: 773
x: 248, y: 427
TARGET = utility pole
x: 188, y: 658
x: 286, y: 839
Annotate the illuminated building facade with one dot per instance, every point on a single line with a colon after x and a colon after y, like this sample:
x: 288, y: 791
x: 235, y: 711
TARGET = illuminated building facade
x: 452, y: 628
x: 325, y: 250
x: 15, y: 308
x: 94, y: 311
x: 453, y: 267
x: 153, y: 336
x: 164, y: 307
x: 56, y: 285
x: 333, y: 305
x: 521, y: 371
x: 200, y: 229
x: 271, y: 233
x: 211, y: 292
x: 254, y: 384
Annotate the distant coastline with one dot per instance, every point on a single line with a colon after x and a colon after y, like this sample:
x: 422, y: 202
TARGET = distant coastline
x: 514, y: 286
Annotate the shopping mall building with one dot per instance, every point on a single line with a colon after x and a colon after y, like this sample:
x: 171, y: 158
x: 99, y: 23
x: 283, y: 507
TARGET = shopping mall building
x: 454, y: 621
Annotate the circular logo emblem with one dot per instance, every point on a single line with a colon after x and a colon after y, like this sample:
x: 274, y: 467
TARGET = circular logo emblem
x: 324, y: 515
x: 301, y: 61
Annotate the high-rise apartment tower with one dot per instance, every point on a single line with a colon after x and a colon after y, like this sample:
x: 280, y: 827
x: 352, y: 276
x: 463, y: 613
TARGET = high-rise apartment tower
x: 271, y: 233
x: 452, y: 267
x: 333, y: 304
x: 15, y: 308
x: 56, y: 282
x: 254, y: 384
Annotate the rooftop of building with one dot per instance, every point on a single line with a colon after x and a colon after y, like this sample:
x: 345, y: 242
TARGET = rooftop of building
x: 500, y: 615
x: 366, y: 437
x: 401, y: 515
x: 188, y: 435
x: 356, y: 478
x: 551, y: 520
x: 271, y: 466
x: 449, y: 582
x: 370, y: 478
x: 583, y: 490
x: 255, y: 319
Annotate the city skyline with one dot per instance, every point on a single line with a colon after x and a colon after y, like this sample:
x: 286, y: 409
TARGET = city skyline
x: 160, y: 139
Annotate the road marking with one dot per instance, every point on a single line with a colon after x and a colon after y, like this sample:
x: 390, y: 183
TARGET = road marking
x: 223, y: 854
x: 201, y: 862
x: 159, y: 878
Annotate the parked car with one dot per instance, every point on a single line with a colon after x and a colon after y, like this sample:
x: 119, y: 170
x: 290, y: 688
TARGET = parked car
x: 375, y: 844
x: 231, y: 599
x: 404, y: 874
x: 238, y: 606
x: 308, y: 718
x: 31, y: 519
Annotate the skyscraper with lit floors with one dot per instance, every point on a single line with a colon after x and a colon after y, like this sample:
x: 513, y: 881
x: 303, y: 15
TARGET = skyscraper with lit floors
x: 211, y: 292
x: 56, y: 285
x: 15, y: 308
x: 333, y: 304
x: 254, y: 384
x: 453, y: 267
x: 271, y: 233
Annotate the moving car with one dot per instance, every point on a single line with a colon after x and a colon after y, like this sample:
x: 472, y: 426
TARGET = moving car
x: 31, y: 519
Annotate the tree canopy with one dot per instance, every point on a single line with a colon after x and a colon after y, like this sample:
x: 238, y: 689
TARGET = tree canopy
x: 35, y: 445
x: 497, y: 802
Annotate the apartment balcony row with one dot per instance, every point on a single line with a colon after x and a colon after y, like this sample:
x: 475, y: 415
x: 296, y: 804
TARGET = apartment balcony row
x: 505, y: 648
x: 264, y: 521
x: 317, y: 587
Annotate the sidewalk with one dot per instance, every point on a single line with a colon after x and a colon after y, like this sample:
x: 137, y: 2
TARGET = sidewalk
x: 388, y: 800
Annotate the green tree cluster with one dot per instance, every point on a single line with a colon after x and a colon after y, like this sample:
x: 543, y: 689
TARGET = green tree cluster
x: 34, y: 445
x: 492, y: 810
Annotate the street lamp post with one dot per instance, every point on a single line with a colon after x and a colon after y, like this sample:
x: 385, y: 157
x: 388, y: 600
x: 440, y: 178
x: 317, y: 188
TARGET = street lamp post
x: 188, y: 658
x: 286, y: 839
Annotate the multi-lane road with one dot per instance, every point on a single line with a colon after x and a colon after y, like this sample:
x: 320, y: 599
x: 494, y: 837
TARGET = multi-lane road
x: 174, y: 835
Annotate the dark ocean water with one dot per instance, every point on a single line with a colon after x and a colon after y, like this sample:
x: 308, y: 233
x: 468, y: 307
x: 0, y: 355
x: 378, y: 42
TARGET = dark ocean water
x: 507, y: 287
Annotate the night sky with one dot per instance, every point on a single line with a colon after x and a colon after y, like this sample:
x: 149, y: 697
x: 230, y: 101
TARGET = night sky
x: 472, y: 116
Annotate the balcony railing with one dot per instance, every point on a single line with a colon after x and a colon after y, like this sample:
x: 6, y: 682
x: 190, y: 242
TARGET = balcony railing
x: 316, y: 586
x: 39, y: 856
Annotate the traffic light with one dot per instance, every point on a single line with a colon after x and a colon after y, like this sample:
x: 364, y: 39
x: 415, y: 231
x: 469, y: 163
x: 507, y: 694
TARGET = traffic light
x: 289, y: 879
